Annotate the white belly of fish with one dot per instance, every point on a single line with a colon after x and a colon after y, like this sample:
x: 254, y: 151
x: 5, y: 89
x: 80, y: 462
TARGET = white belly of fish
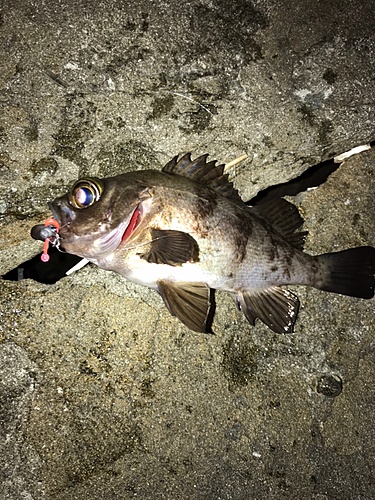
x: 150, y: 274
x: 147, y: 274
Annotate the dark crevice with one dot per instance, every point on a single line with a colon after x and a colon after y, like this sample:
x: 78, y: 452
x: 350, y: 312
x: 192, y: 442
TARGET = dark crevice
x: 44, y: 272
x: 59, y: 263
x: 312, y: 177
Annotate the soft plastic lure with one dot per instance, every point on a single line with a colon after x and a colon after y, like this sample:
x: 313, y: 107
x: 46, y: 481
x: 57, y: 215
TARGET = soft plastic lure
x: 47, y: 233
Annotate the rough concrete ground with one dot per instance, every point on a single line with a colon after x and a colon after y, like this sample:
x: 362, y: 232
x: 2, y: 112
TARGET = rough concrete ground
x: 103, y: 394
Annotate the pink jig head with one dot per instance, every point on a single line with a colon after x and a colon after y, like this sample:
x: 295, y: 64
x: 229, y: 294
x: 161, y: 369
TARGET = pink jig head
x: 49, y: 222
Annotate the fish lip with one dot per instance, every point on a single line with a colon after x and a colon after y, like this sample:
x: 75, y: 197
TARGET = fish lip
x: 62, y: 212
x: 54, y: 212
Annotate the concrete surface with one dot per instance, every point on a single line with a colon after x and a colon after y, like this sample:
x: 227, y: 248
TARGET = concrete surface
x: 103, y: 394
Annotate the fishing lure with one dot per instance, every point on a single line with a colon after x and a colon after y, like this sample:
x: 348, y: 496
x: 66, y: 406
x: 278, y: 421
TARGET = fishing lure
x: 49, y: 233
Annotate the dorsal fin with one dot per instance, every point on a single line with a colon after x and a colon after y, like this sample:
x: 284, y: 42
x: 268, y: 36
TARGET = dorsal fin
x: 210, y: 174
x: 284, y: 218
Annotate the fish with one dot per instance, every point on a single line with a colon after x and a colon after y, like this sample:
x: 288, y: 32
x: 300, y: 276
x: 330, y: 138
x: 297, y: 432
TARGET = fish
x: 184, y: 231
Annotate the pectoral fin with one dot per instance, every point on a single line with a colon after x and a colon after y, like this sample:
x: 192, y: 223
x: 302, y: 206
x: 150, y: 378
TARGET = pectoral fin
x: 190, y: 302
x: 277, y: 308
x: 171, y: 247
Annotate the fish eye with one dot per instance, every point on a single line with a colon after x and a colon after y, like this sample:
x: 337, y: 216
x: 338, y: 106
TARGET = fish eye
x: 86, y: 192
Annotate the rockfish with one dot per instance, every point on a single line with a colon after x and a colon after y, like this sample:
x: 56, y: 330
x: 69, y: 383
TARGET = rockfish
x: 185, y: 231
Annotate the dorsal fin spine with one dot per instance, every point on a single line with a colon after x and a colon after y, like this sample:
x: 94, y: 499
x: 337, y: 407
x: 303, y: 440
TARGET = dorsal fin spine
x: 207, y: 173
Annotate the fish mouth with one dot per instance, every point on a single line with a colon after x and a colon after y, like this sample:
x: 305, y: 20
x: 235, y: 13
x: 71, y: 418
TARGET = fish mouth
x: 62, y: 213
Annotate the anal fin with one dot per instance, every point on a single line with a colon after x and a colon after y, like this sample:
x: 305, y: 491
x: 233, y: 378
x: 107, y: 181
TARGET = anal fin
x: 190, y: 302
x: 276, y: 307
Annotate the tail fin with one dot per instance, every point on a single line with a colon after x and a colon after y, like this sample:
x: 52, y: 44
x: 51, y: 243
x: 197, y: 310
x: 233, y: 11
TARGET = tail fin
x: 350, y: 272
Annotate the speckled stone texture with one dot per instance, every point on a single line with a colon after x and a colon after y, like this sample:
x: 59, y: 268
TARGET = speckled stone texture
x: 103, y: 394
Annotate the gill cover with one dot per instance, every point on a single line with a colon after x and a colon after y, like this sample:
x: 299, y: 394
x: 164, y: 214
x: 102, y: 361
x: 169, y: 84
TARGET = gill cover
x: 86, y: 192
